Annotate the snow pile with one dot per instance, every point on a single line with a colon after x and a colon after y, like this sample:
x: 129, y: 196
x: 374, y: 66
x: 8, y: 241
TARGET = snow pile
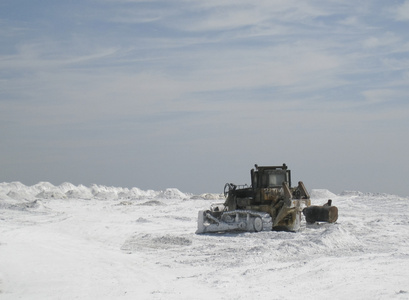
x: 172, y: 194
x: 209, y: 196
x: 322, y: 194
x: 105, y: 192
x: 79, y: 192
x: 51, y: 194
x: 46, y: 190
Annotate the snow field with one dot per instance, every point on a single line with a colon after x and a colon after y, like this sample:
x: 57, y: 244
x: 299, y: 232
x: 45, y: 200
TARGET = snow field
x: 115, y: 243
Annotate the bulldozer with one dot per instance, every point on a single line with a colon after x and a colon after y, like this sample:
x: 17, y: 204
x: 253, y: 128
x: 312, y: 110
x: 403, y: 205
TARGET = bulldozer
x: 269, y: 203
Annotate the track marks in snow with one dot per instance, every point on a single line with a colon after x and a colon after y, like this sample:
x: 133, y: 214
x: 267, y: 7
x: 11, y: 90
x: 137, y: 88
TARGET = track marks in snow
x: 152, y: 203
x: 142, y: 241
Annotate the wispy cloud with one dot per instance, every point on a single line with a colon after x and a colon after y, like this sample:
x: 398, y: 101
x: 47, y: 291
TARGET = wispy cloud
x: 402, y: 11
x: 386, y: 39
x: 377, y: 96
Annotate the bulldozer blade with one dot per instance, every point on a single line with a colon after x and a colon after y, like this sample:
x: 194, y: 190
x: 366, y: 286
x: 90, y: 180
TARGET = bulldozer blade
x: 325, y: 213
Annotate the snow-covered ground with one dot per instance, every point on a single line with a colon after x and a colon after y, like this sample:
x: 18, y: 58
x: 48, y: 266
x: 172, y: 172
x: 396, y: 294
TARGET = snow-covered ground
x: 77, y: 242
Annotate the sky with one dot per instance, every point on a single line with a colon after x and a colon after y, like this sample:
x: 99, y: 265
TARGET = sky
x: 191, y: 94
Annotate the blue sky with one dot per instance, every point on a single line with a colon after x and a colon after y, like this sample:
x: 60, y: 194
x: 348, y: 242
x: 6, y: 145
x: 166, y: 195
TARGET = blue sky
x: 191, y: 94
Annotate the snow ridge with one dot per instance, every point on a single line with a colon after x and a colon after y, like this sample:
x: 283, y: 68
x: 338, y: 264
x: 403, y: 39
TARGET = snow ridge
x: 46, y: 190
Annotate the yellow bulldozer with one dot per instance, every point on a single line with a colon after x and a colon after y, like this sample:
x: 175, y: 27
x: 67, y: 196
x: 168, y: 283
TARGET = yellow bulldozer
x: 270, y: 203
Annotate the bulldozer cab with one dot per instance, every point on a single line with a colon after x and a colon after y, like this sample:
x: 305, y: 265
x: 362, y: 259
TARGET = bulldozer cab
x: 270, y: 176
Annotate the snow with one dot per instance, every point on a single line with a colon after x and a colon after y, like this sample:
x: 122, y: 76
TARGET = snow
x: 98, y: 242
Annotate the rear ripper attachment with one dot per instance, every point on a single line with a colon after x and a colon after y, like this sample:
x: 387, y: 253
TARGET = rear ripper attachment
x: 270, y: 203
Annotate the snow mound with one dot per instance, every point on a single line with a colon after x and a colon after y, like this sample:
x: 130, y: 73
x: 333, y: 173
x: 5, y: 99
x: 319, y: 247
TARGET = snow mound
x: 172, y: 193
x: 208, y: 196
x: 136, y: 193
x: 4, y: 196
x: 104, y: 192
x: 66, y: 187
x: 351, y: 193
x: 15, y: 186
x: 80, y: 192
x: 321, y: 194
x: 51, y: 194
x: 42, y: 186
x: 354, y: 194
x: 46, y: 190
x: 20, y: 195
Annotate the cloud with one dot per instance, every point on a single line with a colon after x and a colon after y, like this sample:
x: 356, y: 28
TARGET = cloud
x: 226, y: 15
x: 137, y: 16
x: 350, y: 21
x: 47, y: 55
x: 377, y: 96
x: 384, y: 39
x: 402, y: 12
x: 219, y: 16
